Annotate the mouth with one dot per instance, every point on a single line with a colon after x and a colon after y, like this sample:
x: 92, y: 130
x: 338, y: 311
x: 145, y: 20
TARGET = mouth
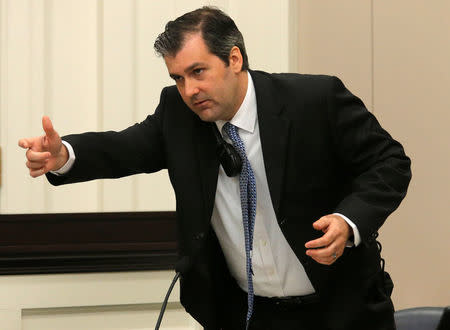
x: 201, y: 103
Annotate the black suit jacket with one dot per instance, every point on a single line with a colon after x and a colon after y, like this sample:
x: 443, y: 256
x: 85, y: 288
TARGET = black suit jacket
x: 323, y: 153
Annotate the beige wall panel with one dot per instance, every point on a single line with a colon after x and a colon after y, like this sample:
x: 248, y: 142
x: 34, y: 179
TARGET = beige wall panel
x: 123, y: 300
x: 335, y: 39
x: 21, y: 101
x: 107, y: 318
x: 153, y: 192
x: 77, y: 290
x: 37, y: 188
x: 11, y: 319
x: 181, y: 6
x: 72, y: 87
x: 412, y: 83
x: 118, y: 58
x: 265, y: 28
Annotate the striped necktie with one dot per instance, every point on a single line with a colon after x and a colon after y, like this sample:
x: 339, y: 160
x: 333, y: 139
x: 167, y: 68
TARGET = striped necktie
x: 247, y: 187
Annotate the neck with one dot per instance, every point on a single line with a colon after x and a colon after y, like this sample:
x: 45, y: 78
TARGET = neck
x: 241, y: 91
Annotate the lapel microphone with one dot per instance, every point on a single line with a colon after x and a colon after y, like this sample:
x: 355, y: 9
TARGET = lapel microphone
x: 228, y: 156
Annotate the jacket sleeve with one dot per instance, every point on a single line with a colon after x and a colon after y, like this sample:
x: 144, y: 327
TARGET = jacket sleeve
x: 98, y: 155
x: 378, y: 166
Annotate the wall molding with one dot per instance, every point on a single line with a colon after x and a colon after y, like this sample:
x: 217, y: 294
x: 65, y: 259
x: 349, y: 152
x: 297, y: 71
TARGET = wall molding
x: 87, y: 242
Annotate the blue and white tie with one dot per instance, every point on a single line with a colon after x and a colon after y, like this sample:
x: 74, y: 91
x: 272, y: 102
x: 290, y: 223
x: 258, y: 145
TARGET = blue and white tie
x: 247, y: 187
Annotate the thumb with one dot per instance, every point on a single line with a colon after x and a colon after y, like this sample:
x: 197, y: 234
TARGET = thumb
x: 322, y: 223
x: 48, y: 127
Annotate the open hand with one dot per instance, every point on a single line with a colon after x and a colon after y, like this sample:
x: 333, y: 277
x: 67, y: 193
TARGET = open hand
x: 45, y: 153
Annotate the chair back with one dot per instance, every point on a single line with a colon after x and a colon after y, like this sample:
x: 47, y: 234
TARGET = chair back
x: 420, y: 318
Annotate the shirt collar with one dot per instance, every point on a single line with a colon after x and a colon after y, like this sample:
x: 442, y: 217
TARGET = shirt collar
x: 245, y: 117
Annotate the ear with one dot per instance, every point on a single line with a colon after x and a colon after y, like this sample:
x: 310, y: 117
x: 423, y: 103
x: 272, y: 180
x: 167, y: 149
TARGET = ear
x: 235, y: 59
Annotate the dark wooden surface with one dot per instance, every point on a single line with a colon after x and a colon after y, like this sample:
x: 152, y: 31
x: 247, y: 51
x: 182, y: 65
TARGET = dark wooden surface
x: 87, y: 242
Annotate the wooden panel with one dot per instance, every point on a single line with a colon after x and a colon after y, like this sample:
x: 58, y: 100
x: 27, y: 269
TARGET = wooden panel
x: 39, y: 243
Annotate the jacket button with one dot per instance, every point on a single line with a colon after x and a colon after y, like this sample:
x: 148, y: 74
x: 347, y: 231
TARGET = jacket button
x: 199, y: 236
x: 373, y: 236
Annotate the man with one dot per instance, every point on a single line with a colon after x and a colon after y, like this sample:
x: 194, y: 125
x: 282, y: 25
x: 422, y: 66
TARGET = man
x: 318, y: 178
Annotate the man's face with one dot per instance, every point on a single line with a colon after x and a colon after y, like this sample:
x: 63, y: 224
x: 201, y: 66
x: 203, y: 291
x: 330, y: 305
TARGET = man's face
x: 207, y: 85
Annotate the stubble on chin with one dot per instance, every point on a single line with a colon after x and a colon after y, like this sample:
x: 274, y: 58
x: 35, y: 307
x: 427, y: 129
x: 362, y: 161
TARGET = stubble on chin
x: 207, y: 117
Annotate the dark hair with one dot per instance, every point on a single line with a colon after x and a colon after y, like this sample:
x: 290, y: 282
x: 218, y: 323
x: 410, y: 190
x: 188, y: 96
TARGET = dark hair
x: 218, y: 30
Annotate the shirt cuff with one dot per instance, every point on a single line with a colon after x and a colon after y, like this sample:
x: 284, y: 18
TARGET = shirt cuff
x: 356, y: 235
x: 68, y: 165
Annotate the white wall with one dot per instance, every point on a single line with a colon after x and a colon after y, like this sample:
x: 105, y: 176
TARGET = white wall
x: 90, y: 65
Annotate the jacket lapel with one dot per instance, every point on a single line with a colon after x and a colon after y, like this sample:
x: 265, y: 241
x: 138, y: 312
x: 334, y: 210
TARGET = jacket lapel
x: 208, y: 165
x: 274, y: 133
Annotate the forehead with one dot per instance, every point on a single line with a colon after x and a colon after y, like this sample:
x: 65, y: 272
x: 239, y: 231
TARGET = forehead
x: 194, y: 50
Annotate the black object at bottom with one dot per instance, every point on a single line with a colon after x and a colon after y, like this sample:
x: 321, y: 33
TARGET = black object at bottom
x: 288, y: 301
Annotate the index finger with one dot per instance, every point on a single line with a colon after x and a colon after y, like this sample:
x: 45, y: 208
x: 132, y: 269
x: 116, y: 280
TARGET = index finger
x: 320, y: 242
x: 25, y: 143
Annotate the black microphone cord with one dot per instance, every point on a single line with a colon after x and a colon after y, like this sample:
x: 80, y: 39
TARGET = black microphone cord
x: 163, y: 307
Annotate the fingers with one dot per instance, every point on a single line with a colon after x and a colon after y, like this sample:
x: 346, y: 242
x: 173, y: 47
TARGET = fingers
x: 331, y: 245
x: 38, y: 172
x: 37, y: 168
x: 37, y: 162
x: 325, y: 249
x: 326, y: 255
x: 36, y: 156
x: 320, y: 242
x: 25, y: 143
x: 322, y: 224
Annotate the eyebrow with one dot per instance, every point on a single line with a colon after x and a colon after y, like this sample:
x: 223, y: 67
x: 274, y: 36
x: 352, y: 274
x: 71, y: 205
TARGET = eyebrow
x: 189, y: 68
x: 192, y: 66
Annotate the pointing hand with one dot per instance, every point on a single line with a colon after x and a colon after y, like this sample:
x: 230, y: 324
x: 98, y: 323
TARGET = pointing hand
x: 45, y: 153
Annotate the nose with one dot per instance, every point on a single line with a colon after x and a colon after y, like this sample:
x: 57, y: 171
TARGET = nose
x: 190, y: 88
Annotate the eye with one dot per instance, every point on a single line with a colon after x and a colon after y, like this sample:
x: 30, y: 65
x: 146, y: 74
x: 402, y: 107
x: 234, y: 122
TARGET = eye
x: 197, y: 71
x: 176, y: 78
